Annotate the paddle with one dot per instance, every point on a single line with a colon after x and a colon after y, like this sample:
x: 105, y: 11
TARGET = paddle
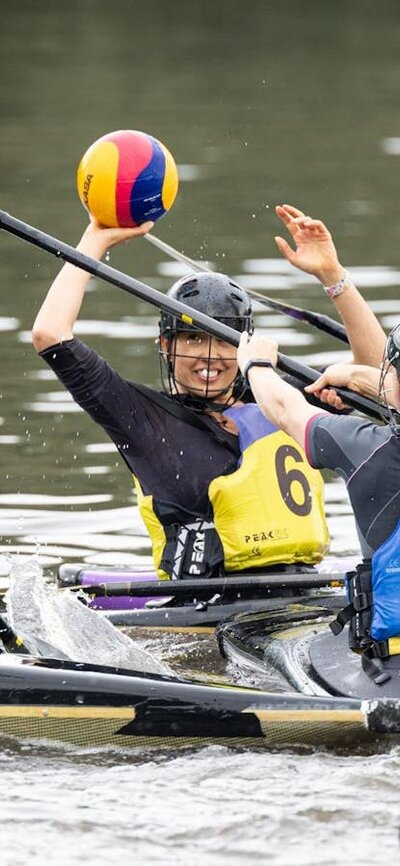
x: 226, y: 586
x: 318, y: 320
x: 181, y: 311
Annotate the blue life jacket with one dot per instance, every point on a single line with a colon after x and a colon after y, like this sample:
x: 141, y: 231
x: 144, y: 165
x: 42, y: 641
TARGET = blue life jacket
x: 386, y: 588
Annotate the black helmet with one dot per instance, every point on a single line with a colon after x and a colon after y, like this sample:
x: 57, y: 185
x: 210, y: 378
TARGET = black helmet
x: 216, y: 295
x: 392, y: 351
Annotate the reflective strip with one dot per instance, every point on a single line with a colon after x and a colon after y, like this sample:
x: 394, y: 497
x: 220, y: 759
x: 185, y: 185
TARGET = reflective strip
x: 394, y: 646
x: 307, y: 715
x: 30, y: 712
x: 197, y: 526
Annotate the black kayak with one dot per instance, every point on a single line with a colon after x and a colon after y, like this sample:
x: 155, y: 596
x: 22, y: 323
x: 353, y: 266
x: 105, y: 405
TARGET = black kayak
x: 295, y: 640
x: 58, y: 701
x: 52, y: 698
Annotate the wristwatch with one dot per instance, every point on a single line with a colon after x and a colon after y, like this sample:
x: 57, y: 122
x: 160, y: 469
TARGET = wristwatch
x: 257, y: 362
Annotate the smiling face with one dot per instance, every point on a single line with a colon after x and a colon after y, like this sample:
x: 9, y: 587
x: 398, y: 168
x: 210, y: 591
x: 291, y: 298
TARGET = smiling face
x: 201, y: 365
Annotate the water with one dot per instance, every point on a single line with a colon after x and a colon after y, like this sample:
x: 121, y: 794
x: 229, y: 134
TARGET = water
x: 259, y: 104
x: 215, y: 807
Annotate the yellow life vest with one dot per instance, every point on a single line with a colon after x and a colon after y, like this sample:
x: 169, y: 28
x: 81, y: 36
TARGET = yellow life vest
x: 269, y: 511
x: 154, y: 527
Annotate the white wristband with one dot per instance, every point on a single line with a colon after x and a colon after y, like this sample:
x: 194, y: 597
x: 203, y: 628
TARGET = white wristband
x: 339, y: 287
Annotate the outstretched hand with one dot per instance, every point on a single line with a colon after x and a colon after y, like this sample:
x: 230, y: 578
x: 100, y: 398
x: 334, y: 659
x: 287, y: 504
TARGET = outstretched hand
x: 103, y: 238
x: 315, y: 252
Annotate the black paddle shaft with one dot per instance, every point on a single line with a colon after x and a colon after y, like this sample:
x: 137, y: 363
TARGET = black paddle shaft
x: 317, y: 320
x: 164, y: 302
x: 246, y: 586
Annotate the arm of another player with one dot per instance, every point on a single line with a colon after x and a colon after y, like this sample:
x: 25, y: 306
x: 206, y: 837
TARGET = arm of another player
x: 315, y: 253
x: 282, y: 404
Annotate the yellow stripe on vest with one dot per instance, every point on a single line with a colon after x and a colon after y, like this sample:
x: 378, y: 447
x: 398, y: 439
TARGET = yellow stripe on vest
x: 394, y: 646
x: 153, y: 526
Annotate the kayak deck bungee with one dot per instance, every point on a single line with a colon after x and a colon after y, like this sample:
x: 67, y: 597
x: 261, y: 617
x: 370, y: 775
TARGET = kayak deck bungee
x: 296, y: 642
x: 90, y: 706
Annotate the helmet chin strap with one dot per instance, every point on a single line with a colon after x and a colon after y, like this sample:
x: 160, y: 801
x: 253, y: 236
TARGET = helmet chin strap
x: 200, y: 403
x: 204, y: 404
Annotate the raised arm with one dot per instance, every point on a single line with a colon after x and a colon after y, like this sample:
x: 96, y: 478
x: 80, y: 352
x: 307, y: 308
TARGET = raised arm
x: 315, y: 253
x: 56, y: 318
x: 282, y: 404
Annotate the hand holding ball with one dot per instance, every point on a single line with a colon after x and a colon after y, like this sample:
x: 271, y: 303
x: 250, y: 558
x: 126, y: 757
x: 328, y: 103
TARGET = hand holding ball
x: 126, y: 178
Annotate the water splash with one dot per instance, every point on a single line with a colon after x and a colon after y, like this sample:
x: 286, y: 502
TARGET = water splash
x: 57, y: 622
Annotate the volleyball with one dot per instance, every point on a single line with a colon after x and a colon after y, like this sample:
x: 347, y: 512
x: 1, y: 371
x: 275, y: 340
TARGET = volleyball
x: 126, y: 178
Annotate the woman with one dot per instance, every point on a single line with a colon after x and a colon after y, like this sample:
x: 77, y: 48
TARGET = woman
x: 213, y: 478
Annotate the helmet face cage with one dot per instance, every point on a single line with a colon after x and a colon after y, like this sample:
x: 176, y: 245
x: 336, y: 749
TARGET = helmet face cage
x: 222, y: 299
x: 208, y: 397
x: 391, y: 358
x: 392, y: 351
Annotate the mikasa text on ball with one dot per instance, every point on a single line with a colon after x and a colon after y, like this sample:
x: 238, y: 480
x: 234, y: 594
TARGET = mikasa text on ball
x: 126, y: 178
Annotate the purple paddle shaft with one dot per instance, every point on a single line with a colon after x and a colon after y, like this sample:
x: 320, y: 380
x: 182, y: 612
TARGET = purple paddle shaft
x: 88, y: 578
x: 117, y: 602
x: 120, y: 602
